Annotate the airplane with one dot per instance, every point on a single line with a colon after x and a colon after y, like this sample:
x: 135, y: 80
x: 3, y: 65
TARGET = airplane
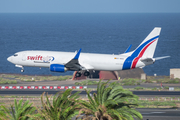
x: 77, y: 61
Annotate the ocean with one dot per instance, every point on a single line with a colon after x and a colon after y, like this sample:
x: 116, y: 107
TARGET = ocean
x: 108, y: 33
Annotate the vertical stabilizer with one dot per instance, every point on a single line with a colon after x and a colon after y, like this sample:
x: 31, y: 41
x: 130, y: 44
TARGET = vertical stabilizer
x: 147, y: 48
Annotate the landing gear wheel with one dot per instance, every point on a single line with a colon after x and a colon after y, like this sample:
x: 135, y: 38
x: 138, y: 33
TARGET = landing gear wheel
x: 78, y: 74
x: 86, y: 73
x: 22, y: 70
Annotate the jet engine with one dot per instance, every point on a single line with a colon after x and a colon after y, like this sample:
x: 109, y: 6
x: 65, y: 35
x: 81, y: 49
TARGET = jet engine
x: 57, y: 68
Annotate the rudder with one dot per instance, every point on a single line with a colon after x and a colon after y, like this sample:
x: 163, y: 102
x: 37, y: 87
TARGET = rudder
x: 147, y: 48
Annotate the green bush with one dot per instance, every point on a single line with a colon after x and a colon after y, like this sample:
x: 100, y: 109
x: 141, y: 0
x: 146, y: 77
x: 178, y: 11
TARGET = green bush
x: 174, y: 81
x: 77, y: 83
x: 138, y: 83
x: 138, y: 88
x: 149, y: 81
x: 131, y: 81
x: 154, y: 88
x: 8, y: 82
x: 166, y: 87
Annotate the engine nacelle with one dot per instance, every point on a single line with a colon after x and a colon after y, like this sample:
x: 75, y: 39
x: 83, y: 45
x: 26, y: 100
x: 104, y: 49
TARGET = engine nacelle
x: 57, y: 68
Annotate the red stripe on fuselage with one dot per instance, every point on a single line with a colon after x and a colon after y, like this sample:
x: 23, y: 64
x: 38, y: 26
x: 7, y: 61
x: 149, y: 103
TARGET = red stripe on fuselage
x: 141, y: 54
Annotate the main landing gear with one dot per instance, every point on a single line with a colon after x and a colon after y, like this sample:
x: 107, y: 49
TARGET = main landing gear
x: 86, y: 73
x: 78, y: 74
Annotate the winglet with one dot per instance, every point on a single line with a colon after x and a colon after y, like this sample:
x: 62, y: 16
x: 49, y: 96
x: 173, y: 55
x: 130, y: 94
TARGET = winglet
x: 128, y: 49
x: 78, y: 53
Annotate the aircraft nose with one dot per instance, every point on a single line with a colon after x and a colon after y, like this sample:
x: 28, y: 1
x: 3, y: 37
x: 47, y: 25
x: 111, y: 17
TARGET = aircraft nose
x: 9, y: 59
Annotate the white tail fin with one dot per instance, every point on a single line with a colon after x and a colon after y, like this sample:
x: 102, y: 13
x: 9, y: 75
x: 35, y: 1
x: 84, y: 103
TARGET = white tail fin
x: 147, y: 48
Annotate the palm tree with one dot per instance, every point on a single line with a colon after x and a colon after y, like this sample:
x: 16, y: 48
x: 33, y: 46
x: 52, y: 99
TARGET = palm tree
x: 63, y: 106
x: 111, y: 102
x: 18, y: 111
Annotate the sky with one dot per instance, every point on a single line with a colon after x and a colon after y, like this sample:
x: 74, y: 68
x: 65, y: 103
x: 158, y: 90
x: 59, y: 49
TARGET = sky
x: 89, y: 6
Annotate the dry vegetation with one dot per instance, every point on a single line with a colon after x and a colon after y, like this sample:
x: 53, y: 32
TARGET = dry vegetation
x: 13, y: 79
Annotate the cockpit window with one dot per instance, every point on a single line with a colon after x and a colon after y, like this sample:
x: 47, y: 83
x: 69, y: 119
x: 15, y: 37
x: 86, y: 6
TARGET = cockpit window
x: 15, y: 55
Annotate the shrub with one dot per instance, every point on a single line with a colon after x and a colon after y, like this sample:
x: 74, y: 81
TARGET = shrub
x: 174, y: 81
x: 154, y: 88
x: 8, y: 82
x: 138, y: 83
x: 77, y: 83
x: 166, y: 87
x: 129, y: 83
x: 138, y: 88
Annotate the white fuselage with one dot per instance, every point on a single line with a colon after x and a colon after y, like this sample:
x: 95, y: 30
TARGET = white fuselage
x: 89, y: 61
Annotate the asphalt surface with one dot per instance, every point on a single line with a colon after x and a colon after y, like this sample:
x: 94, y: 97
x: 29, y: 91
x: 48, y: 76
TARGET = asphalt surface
x: 158, y: 114
x: 39, y: 92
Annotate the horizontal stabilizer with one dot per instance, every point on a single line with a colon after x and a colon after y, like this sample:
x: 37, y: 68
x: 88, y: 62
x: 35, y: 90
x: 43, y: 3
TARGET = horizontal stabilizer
x: 147, y: 60
x: 158, y: 58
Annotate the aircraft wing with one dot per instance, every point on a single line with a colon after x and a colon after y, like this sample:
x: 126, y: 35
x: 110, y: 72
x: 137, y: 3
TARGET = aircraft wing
x: 74, y: 63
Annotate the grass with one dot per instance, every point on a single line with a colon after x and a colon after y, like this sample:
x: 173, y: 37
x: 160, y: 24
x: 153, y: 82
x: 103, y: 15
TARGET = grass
x: 150, y: 79
x: 162, y: 79
x: 45, y: 78
x: 8, y: 78
x: 141, y: 88
x: 19, y: 96
x: 138, y: 88
x: 166, y: 87
x: 126, y: 81
x: 7, y: 81
x: 157, y: 104
x: 131, y: 81
x: 87, y: 82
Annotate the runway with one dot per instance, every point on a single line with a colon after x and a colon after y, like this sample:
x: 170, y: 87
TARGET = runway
x: 39, y: 92
x: 158, y: 114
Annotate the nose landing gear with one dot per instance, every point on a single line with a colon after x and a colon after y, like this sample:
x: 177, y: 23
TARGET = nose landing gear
x: 22, y: 70
x: 20, y: 66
